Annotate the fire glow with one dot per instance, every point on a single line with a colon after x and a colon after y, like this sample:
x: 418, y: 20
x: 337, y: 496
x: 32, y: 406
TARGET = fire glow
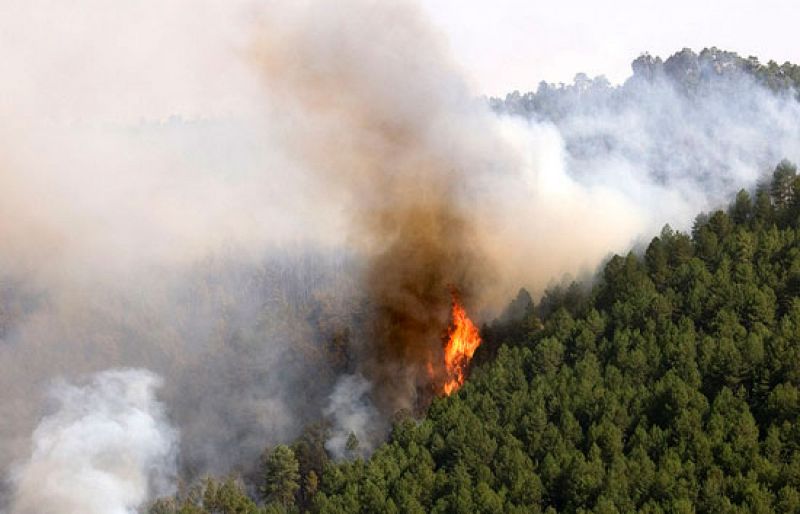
x: 463, y: 339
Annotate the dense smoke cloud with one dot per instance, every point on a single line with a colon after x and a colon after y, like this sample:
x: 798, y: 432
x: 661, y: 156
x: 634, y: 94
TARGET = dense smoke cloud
x: 333, y: 179
x: 386, y: 125
x: 182, y: 245
x: 381, y: 138
x: 104, y: 450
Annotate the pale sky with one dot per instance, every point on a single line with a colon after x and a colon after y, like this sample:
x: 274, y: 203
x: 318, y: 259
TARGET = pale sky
x: 513, y: 44
x: 150, y: 59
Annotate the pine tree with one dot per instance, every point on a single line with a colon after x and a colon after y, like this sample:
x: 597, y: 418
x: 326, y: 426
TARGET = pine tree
x: 281, y: 476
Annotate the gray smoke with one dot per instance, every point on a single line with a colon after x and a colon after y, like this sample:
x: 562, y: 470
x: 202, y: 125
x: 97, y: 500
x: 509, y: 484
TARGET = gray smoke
x: 105, y: 449
x: 677, y: 137
x: 355, y: 422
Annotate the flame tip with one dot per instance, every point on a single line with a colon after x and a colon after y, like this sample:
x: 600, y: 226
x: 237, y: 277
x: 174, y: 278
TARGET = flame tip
x: 463, y: 339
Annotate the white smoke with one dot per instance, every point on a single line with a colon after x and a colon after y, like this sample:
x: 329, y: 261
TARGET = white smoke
x: 106, y: 449
x: 352, y: 413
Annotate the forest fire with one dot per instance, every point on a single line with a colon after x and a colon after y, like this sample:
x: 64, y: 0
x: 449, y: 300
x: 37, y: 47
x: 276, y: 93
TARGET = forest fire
x: 463, y: 339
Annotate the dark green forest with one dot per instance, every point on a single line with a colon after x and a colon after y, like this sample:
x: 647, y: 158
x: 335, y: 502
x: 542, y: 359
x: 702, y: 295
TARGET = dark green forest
x: 670, y: 384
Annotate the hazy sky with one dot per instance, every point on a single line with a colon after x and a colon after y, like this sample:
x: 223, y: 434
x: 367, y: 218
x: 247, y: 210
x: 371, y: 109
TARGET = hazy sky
x: 513, y: 44
x: 150, y: 59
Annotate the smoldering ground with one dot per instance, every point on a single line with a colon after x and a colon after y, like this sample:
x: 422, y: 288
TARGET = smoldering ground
x: 302, y: 228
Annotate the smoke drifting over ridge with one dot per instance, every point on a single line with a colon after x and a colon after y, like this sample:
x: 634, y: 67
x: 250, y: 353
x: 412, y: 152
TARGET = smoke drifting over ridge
x: 344, y: 134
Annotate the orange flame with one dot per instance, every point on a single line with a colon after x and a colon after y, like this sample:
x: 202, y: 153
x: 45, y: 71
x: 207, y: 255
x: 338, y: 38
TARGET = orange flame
x: 463, y: 340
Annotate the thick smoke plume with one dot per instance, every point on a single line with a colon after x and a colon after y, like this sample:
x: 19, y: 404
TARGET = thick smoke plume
x: 328, y: 177
x: 386, y: 125
x: 104, y: 450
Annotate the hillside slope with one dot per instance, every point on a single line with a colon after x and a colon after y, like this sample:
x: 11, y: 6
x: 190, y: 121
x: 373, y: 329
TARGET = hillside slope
x: 671, y: 387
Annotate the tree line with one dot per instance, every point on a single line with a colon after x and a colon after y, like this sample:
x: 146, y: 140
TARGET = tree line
x: 687, y: 71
